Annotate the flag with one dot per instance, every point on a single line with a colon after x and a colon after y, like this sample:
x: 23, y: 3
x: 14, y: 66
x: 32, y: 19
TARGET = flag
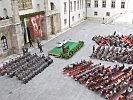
x: 36, y: 25
x: 26, y: 38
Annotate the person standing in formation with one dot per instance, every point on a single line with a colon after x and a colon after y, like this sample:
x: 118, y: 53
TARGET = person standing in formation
x: 40, y: 47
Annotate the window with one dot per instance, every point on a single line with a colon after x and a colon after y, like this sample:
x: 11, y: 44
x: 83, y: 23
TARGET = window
x: 78, y: 15
x: 95, y: 13
x: 52, y: 6
x: 82, y: 3
x: 89, y: 3
x: 65, y: 21
x: 24, y: 4
x: 113, y: 4
x: 104, y: 3
x: 74, y: 5
x: 38, y: 7
x: 4, y: 43
x: 65, y: 8
x: 122, y: 4
x: 96, y: 3
x: 107, y: 13
x: 73, y: 18
x: 71, y: 6
x: 78, y: 4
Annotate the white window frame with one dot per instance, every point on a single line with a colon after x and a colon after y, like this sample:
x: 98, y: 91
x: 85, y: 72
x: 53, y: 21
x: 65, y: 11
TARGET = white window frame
x: 104, y: 3
x: 107, y: 13
x: 95, y: 13
x: 122, y: 4
x: 74, y: 5
x: 112, y: 4
x: 96, y: 3
x: 65, y: 7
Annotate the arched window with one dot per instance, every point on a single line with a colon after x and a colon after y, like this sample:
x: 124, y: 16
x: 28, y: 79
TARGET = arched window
x: 52, y: 6
x: 5, y: 12
x: 4, y: 43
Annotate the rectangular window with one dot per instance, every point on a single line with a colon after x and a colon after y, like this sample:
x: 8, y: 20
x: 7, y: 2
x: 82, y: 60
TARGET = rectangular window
x: 113, y: 4
x: 122, y: 4
x: 74, y: 5
x: 95, y: 13
x: 104, y: 3
x: 65, y: 21
x: 96, y: 3
x: 82, y: 3
x: 65, y: 8
x: 89, y: 3
x: 73, y: 18
x: 107, y: 13
x: 71, y: 6
x: 79, y: 16
x: 78, y: 4
x: 24, y: 4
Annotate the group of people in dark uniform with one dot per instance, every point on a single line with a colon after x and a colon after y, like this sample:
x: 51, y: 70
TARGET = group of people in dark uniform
x: 114, y: 54
x: 111, y: 82
x: 25, y: 67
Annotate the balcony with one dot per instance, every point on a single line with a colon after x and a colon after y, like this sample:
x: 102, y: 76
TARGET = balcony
x: 52, y: 12
x: 5, y: 22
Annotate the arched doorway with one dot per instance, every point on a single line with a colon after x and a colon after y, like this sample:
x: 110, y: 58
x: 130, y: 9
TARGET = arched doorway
x: 4, y: 43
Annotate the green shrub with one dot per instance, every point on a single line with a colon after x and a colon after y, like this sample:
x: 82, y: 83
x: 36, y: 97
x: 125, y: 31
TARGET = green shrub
x: 70, y: 53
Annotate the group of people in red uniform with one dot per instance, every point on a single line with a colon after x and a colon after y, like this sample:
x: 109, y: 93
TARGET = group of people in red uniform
x: 115, y: 40
x: 111, y: 82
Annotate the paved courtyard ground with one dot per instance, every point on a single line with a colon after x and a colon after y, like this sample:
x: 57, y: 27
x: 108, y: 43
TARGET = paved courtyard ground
x: 51, y: 84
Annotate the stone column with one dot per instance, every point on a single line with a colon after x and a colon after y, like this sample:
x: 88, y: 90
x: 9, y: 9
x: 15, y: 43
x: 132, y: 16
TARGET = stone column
x: 17, y: 37
x: 59, y: 22
x: 46, y: 21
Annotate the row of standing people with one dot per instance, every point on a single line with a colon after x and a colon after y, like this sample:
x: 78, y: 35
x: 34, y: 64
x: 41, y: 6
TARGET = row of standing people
x: 39, y: 45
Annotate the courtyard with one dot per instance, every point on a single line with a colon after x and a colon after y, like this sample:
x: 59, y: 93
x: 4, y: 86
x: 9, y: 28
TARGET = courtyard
x: 52, y: 84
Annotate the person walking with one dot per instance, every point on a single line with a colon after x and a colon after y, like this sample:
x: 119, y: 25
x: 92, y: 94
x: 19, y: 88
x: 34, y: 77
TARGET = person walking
x: 38, y: 43
x: 93, y: 48
x: 40, y: 47
x: 31, y: 45
x: 114, y: 32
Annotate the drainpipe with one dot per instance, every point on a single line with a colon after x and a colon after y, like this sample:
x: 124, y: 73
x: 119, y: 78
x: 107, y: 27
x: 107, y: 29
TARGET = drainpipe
x: 69, y: 15
x: 86, y: 8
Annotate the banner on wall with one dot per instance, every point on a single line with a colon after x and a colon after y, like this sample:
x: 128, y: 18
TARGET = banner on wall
x: 36, y: 25
x: 25, y: 32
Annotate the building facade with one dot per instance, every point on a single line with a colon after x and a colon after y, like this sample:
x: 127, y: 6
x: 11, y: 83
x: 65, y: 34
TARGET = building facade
x: 22, y: 21
x: 108, y: 10
x: 72, y: 12
x: 10, y: 29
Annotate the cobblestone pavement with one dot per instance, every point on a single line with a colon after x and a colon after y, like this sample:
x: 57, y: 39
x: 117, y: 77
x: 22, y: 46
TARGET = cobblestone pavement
x: 51, y: 84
